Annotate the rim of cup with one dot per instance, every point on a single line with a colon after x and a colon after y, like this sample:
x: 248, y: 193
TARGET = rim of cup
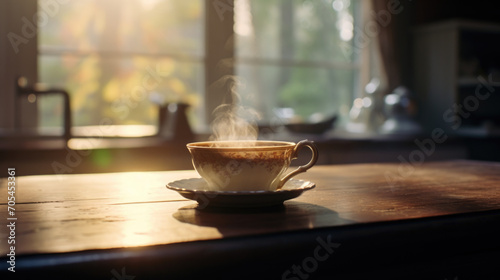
x: 261, y: 145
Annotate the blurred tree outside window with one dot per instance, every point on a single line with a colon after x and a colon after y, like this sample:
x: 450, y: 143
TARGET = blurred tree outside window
x: 297, y: 55
x: 119, y: 58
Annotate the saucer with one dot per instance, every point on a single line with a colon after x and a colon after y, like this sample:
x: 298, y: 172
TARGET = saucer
x: 197, y: 189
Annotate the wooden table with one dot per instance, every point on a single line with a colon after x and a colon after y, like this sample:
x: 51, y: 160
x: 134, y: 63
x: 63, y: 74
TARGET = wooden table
x: 366, y: 221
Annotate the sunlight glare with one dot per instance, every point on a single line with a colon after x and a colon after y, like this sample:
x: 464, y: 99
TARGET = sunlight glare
x: 149, y: 4
x: 243, y: 18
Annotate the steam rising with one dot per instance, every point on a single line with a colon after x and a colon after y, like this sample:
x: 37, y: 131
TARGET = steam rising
x: 232, y: 121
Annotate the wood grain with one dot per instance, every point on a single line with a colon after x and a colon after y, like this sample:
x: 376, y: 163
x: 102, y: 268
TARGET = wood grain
x: 70, y: 213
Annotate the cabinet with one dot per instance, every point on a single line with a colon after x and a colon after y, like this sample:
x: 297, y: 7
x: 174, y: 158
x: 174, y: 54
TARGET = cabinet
x: 457, y: 77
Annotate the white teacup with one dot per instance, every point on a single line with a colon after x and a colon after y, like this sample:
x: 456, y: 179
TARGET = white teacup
x: 247, y: 165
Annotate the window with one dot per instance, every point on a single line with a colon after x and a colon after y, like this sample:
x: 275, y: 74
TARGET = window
x: 297, y: 55
x: 120, y: 59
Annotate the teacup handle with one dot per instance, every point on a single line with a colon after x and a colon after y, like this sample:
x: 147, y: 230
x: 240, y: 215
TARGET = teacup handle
x: 303, y: 168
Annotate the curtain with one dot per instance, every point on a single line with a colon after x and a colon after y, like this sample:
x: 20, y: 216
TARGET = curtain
x: 387, y: 40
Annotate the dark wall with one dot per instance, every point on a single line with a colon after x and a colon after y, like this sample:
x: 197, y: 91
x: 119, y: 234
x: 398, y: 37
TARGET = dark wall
x: 421, y: 12
x: 426, y: 11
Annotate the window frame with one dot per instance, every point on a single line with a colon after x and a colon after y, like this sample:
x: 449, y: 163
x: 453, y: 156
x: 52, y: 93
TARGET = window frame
x: 18, y: 52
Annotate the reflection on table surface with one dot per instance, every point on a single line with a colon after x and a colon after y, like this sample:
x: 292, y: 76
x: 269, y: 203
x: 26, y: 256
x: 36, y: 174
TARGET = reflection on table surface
x: 115, y: 211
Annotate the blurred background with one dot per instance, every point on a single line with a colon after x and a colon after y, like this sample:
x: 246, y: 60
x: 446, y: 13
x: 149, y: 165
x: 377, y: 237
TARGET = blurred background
x: 367, y: 80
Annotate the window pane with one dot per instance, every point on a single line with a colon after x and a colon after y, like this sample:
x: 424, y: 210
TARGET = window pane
x: 120, y: 59
x: 297, y: 54
x: 296, y: 29
x: 310, y: 91
x: 125, y: 90
x: 144, y: 26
